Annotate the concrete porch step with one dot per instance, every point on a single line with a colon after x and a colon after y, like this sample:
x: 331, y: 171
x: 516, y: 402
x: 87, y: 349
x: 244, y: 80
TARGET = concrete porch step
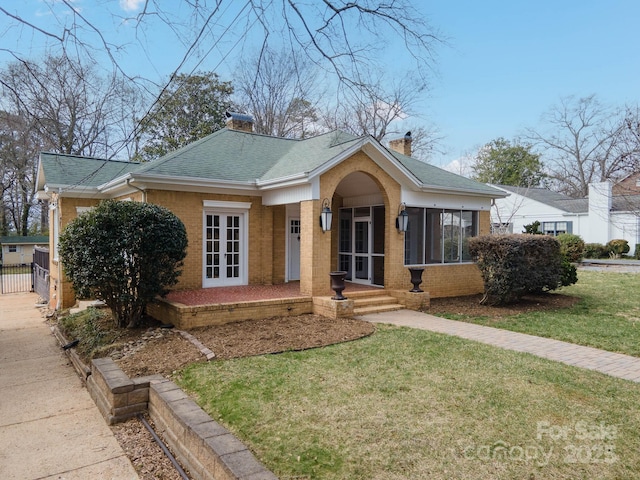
x: 366, y: 293
x: 373, y: 300
x: 390, y: 307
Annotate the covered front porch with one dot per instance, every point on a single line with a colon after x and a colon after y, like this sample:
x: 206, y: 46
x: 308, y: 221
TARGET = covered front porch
x: 215, y: 306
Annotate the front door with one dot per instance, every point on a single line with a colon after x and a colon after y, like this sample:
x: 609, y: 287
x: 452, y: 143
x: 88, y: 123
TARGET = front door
x: 224, y: 250
x: 362, y: 257
x: 294, y: 249
x: 361, y: 244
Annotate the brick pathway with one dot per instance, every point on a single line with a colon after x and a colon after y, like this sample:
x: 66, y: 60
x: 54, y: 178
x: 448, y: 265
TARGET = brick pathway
x: 614, y: 364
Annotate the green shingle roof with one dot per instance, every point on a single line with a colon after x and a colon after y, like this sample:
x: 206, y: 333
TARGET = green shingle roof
x: 431, y: 175
x: 246, y: 157
x: 24, y: 240
x: 235, y: 156
x: 72, y: 170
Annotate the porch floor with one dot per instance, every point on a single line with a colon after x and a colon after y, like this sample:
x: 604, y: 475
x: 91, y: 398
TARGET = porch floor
x: 248, y: 293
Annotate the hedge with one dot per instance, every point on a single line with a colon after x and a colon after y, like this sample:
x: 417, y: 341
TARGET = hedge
x: 518, y: 264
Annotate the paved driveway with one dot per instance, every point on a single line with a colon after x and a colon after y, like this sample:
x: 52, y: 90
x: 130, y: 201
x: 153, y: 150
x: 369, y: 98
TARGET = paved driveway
x: 49, y: 426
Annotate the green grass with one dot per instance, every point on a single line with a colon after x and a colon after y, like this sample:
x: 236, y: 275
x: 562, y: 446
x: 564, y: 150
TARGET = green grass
x: 409, y: 404
x: 607, y: 316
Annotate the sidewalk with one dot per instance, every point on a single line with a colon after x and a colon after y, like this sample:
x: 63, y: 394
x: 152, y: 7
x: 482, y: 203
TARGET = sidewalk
x: 49, y: 426
x: 614, y: 364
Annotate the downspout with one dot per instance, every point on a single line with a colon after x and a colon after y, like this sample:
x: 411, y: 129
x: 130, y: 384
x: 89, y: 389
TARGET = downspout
x: 59, y: 221
x: 144, y: 192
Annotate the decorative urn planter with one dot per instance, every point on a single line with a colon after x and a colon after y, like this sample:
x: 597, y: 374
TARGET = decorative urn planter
x: 337, y: 284
x: 416, y: 278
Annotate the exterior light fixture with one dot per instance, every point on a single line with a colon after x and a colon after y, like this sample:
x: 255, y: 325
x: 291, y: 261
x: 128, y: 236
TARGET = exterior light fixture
x: 326, y: 215
x: 402, y: 221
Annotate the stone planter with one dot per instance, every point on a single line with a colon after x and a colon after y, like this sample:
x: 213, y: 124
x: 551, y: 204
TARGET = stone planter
x: 416, y: 278
x: 337, y: 284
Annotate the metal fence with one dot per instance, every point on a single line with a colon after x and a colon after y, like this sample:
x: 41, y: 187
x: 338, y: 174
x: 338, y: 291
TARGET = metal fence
x: 16, y: 278
x: 41, y: 272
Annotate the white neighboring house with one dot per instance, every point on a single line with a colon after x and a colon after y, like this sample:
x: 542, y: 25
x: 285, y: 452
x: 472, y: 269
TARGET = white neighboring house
x: 607, y: 213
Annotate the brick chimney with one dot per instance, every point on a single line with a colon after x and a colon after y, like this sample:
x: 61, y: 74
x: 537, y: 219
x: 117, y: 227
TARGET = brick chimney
x: 239, y: 121
x: 402, y: 145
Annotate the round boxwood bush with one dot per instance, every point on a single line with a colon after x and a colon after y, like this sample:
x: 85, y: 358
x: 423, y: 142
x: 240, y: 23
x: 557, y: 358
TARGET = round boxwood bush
x: 617, y: 247
x: 571, y: 246
x: 124, y: 253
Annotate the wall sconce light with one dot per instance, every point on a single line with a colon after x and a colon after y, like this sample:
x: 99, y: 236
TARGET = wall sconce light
x: 326, y: 215
x: 402, y: 221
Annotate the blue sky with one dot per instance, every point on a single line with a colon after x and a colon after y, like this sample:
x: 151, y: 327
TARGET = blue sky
x: 506, y: 62
x: 510, y: 61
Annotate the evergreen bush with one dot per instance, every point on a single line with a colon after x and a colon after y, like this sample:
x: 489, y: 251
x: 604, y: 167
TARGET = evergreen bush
x: 571, y: 246
x: 515, y: 265
x: 124, y: 253
x: 617, y: 247
x: 595, y: 250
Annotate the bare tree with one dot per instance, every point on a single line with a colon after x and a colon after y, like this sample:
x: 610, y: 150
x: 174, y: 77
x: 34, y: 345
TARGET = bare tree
x: 380, y: 108
x: 18, y: 154
x: 281, y: 91
x: 74, y: 109
x: 586, y: 142
x: 59, y: 106
x: 339, y: 37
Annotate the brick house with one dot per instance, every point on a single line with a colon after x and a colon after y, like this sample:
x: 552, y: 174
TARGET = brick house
x: 251, y: 205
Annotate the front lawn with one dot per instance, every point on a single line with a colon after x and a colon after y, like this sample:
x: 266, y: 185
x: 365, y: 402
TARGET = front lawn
x: 409, y: 404
x: 606, y: 317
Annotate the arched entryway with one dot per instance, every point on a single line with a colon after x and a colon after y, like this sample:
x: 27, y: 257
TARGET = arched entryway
x: 362, y: 228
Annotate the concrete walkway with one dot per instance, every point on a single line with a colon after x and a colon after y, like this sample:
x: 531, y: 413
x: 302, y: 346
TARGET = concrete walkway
x: 49, y: 426
x: 614, y: 364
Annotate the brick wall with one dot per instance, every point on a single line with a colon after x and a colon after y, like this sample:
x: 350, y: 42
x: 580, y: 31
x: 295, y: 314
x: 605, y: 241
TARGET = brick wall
x: 390, y: 190
x: 189, y: 208
x: 60, y: 290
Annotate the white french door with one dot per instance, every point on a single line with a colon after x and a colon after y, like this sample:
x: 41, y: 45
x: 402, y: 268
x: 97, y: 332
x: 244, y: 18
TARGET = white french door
x: 224, y: 249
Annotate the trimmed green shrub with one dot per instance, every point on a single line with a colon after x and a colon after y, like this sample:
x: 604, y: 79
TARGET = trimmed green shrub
x: 515, y: 265
x: 617, y: 247
x: 595, y: 250
x: 571, y: 246
x: 533, y: 228
x: 124, y: 253
x: 569, y: 273
x: 636, y: 252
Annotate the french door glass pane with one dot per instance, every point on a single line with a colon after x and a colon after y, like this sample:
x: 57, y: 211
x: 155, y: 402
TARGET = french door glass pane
x: 222, y: 246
